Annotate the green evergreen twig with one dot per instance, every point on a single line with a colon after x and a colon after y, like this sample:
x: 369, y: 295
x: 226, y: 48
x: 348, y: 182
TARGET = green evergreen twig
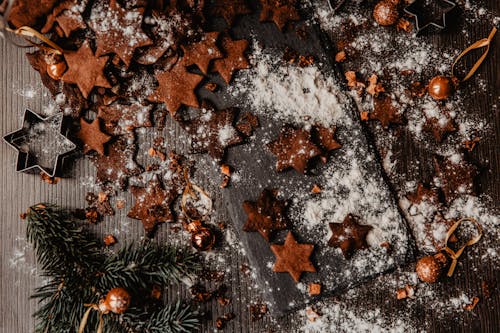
x: 79, y: 273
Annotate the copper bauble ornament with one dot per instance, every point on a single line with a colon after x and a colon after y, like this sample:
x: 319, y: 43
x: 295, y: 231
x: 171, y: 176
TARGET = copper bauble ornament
x: 56, y: 70
x: 203, y: 239
x: 56, y: 66
x: 117, y: 301
x: 441, y: 87
x: 386, y: 12
x: 429, y: 268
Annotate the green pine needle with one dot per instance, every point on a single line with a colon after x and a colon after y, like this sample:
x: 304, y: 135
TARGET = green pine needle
x: 174, y: 318
x: 79, y: 273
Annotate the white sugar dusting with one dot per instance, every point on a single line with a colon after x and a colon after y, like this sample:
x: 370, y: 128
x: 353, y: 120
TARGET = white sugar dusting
x: 301, y: 96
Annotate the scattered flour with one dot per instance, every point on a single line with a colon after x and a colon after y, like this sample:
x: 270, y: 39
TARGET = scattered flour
x: 301, y: 96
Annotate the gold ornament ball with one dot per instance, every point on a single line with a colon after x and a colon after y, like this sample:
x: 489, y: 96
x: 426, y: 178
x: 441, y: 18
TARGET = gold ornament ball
x: 441, y: 87
x: 429, y: 269
x: 203, y: 239
x: 117, y: 301
x: 56, y: 70
x: 386, y: 13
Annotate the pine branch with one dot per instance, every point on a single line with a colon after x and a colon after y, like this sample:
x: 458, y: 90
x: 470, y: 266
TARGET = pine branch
x: 79, y: 273
x: 142, y: 265
x: 60, y: 245
x: 174, y: 318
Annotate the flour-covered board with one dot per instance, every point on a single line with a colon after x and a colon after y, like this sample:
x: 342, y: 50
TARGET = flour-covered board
x: 339, y: 183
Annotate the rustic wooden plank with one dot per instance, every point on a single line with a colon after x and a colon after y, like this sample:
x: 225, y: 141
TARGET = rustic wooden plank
x: 18, y: 191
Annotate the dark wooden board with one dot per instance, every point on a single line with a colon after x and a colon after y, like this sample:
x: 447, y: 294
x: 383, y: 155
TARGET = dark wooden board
x: 256, y: 165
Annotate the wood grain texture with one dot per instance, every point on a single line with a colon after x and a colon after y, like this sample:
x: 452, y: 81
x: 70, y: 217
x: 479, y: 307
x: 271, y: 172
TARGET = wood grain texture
x: 18, y: 191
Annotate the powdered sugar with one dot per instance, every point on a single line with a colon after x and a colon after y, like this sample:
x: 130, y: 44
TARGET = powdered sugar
x: 302, y: 96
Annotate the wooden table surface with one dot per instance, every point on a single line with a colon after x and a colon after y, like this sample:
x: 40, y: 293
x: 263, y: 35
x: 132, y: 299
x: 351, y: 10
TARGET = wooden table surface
x: 20, y: 88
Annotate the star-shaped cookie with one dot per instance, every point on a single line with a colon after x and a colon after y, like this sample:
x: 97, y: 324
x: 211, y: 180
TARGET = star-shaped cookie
x: 349, y: 235
x: 202, y: 52
x: 118, y: 165
x: 152, y: 205
x: 294, y: 149
x: 176, y: 87
x: 117, y: 30
x: 68, y: 16
x: 92, y: 136
x: 266, y: 215
x: 229, y: 9
x: 212, y: 131
x: 293, y: 257
x: 385, y: 112
x: 324, y: 138
x: 423, y: 194
x: 120, y: 118
x: 456, y: 176
x: 85, y: 69
x: 235, y: 58
x: 279, y: 11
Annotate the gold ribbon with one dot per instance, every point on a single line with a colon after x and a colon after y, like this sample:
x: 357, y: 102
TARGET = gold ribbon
x: 26, y: 32
x: 485, y: 42
x: 455, y: 255
x: 188, y: 192
x: 86, y: 315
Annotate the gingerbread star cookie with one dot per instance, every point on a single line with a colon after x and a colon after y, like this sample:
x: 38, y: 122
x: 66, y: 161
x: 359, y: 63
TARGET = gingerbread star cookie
x: 293, y: 257
x: 385, y: 112
x: 247, y: 123
x: 152, y: 205
x: 166, y: 29
x: 294, y: 149
x: 92, y: 137
x: 456, y: 176
x: 266, y: 215
x: 202, y: 52
x: 120, y: 118
x: 176, y: 87
x: 424, y: 194
x: 279, y: 11
x: 349, y: 235
x: 117, y: 30
x: 324, y: 138
x: 68, y: 16
x: 235, y: 58
x: 229, y: 9
x: 28, y: 12
x: 212, y: 131
x: 118, y: 165
x: 85, y: 69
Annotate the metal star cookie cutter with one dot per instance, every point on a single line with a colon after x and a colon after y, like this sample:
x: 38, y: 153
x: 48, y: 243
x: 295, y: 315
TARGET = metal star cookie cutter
x: 430, y: 13
x: 41, y: 143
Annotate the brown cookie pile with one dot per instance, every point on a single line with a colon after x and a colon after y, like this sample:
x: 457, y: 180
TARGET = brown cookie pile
x: 124, y: 66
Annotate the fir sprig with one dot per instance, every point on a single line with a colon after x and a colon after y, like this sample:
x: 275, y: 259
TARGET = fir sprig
x: 59, y: 243
x: 79, y: 272
x: 141, y: 265
x: 173, y: 318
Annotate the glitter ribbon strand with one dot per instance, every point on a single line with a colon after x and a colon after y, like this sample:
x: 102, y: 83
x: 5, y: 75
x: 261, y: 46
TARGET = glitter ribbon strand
x: 86, y: 315
x: 455, y: 255
x: 485, y: 42
x: 189, y: 193
x: 27, y: 32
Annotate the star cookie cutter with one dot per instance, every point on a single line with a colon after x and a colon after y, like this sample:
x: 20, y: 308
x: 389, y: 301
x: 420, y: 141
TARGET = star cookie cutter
x: 40, y: 143
x: 430, y: 13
